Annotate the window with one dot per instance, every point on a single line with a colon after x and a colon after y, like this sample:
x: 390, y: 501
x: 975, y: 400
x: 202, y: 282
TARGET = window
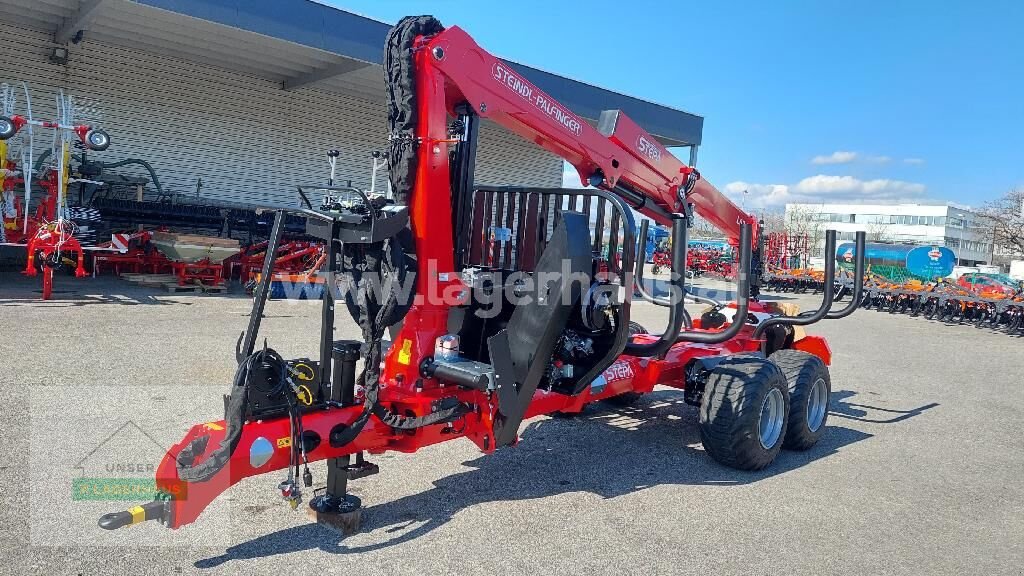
x: 939, y: 221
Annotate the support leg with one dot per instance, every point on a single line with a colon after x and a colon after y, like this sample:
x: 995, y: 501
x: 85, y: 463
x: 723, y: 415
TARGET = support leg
x: 47, y: 282
x: 336, y: 507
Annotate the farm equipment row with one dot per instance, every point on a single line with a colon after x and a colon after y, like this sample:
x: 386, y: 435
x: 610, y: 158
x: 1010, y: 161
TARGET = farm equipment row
x: 997, y: 306
x: 804, y: 280
x: 947, y: 301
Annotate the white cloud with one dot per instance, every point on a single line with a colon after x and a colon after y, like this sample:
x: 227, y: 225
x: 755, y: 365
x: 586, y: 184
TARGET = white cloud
x: 914, y: 161
x: 847, y: 157
x: 824, y: 188
x: 837, y: 157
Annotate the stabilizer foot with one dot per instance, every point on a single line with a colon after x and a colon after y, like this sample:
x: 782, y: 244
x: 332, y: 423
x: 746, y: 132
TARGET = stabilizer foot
x: 343, y: 513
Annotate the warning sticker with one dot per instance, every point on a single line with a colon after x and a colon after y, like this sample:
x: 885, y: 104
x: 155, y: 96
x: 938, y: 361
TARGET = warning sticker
x: 405, y: 354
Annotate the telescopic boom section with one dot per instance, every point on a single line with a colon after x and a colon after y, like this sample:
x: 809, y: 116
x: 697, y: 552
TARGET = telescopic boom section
x: 618, y: 155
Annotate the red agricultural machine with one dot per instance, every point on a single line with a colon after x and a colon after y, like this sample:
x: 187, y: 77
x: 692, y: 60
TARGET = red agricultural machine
x: 49, y: 234
x: 488, y: 333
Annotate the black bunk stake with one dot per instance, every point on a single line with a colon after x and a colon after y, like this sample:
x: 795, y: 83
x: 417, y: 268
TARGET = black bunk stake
x: 262, y: 290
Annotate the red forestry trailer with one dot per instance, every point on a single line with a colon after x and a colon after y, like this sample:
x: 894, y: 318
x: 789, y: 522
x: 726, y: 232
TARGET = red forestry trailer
x: 502, y: 303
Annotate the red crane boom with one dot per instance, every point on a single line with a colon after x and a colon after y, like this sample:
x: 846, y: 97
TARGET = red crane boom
x: 618, y: 155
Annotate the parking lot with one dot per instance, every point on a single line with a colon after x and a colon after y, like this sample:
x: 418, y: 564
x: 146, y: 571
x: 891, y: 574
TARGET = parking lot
x: 921, y: 470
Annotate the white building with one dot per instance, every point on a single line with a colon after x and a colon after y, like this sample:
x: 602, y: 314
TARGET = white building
x: 963, y: 231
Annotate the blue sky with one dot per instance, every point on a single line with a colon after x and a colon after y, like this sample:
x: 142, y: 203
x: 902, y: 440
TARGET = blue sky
x: 803, y: 100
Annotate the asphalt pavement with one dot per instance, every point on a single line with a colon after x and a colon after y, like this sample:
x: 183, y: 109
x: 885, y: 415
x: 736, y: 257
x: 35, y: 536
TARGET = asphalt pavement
x: 921, y: 470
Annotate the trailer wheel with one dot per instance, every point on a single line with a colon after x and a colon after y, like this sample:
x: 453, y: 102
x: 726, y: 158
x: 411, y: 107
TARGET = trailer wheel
x: 744, y: 412
x: 809, y: 391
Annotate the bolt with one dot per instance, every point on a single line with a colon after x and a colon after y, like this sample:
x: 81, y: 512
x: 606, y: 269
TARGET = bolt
x: 438, y: 53
x: 483, y: 106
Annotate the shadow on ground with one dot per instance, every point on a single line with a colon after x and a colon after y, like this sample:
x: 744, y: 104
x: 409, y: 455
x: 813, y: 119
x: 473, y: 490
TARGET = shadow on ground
x: 70, y: 299
x: 607, y: 451
x: 68, y: 291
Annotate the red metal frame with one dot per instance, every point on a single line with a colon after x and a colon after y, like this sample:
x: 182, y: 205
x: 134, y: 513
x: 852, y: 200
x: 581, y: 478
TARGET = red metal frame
x: 453, y: 69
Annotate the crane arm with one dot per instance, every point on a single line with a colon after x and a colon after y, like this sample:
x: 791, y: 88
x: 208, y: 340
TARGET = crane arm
x: 618, y: 155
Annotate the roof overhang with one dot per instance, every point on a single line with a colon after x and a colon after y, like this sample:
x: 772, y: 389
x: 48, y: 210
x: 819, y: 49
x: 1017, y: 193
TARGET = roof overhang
x: 296, y: 43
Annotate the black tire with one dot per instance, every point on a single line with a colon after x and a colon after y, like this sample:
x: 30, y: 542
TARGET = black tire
x: 7, y: 129
x: 930, y: 308
x: 730, y: 412
x: 803, y: 372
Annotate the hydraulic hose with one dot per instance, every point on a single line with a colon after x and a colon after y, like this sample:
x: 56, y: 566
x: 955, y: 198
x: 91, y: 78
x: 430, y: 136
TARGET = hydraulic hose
x: 106, y: 166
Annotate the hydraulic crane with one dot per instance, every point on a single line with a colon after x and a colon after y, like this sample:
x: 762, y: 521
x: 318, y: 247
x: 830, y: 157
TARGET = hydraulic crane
x: 502, y: 303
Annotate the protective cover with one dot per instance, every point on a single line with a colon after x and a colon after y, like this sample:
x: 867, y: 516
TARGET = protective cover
x: 399, y: 75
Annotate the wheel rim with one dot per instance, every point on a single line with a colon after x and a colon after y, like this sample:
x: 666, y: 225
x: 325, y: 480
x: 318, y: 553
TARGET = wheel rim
x: 773, y: 415
x: 817, y: 404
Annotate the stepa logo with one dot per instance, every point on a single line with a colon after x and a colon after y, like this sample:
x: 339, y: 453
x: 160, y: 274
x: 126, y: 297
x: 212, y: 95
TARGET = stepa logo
x: 934, y: 254
x: 121, y: 467
x: 848, y: 256
x: 648, y: 148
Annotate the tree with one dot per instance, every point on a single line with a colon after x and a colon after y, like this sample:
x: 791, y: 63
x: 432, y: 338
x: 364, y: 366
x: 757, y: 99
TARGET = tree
x: 877, y: 231
x: 1007, y: 218
x: 773, y: 222
x: 806, y: 221
x: 704, y: 229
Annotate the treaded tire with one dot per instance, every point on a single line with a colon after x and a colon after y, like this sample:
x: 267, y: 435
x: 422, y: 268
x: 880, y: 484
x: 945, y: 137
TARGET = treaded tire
x: 802, y: 370
x: 730, y: 412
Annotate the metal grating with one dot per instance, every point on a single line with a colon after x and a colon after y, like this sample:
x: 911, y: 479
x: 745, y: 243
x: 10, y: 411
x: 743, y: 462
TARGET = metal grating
x: 511, y: 226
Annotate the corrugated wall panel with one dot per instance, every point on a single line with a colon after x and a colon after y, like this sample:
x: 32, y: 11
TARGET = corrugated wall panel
x: 248, y: 140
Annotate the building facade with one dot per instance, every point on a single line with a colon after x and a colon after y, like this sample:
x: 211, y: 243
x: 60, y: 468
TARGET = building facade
x: 963, y: 231
x: 240, y: 101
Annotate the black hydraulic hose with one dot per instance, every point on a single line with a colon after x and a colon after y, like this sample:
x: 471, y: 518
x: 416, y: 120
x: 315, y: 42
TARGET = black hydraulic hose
x: 677, y: 310
x: 143, y: 163
x: 826, y: 302
x: 639, y: 279
x: 739, y: 319
x: 106, y: 166
x: 858, y: 279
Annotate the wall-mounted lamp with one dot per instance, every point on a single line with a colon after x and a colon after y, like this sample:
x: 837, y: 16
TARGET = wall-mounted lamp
x: 59, y: 55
